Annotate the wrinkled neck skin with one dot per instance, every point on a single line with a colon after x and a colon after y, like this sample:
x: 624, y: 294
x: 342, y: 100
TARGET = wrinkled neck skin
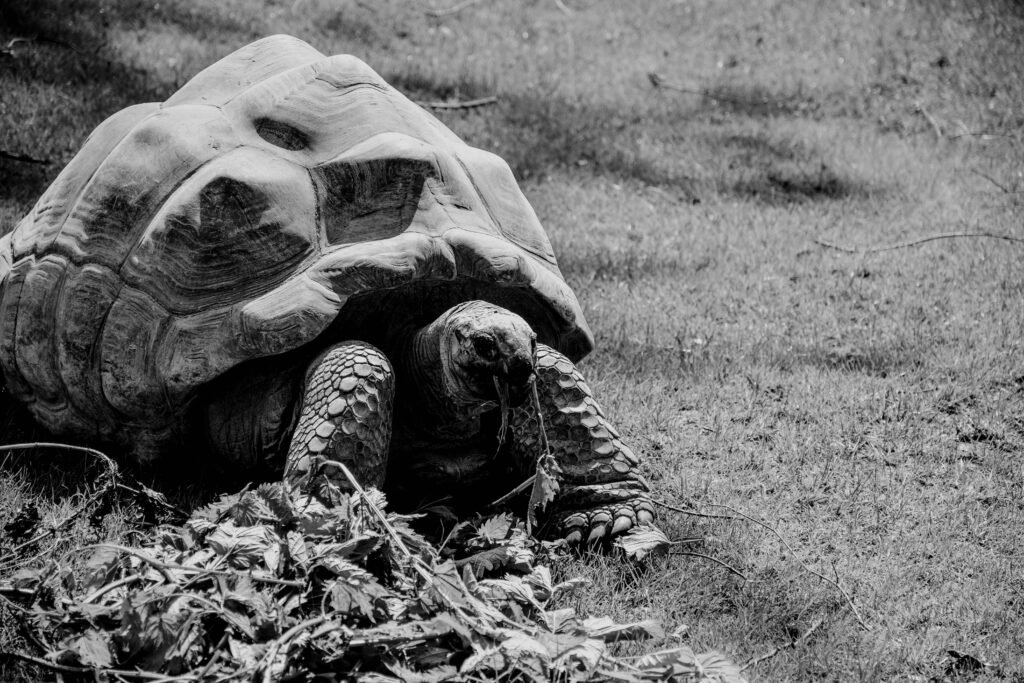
x: 438, y: 401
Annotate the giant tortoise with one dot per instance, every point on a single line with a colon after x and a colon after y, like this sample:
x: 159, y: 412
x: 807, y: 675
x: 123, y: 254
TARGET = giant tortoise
x: 288, y: 264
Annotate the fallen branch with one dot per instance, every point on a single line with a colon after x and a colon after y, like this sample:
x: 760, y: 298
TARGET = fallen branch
x: 914, y: 242
x: 442, y: 12
x: 91, y: 671
x: 931, y: 119
x: 992, y: 180
x: 694, y: 513
x: 464, y: 104
x: 725, y: 565
x: 838, y: 586
x: 792, y: 644
x: 110, y: 477
x: 22, y: 158
x: 658, y: 81
x: 514, y: 492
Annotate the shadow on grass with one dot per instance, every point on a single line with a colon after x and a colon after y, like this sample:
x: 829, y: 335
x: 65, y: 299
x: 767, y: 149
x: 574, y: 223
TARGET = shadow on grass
x: 66, y: 47
x: 541, y: 133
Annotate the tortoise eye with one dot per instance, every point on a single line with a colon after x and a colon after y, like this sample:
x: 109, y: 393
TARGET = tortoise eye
x: 485, y: 347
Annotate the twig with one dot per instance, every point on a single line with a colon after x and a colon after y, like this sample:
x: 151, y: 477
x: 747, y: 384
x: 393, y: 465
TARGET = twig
x: 693, y: 513
x: 658, y: 81
x: 984, y: 134
x: 65, y: 669
x: 381, y: 517
x: 216, y: 655
x: 112, y: 468
x: 165, y: 567
x: 915, y: 242
x: 717, y: 561
x: 463, y: 104
x: 514, y: 492
x: 268, y: 672
x: 992, y: 180
x: 793, y: 643
x: 441, y: 12
x: 110, y: 483
x: 100, y: 592
x: 931, y: 120
x: 22, y: 157
x: 838, y: 586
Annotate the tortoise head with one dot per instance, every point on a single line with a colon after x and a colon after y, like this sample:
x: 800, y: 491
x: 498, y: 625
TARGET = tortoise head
x: 487, y: 353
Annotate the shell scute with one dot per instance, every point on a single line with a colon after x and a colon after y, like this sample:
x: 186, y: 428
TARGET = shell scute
x: 132, y: 183
x: 237, y: 227
x: 35, y: 346
x: 88, y: 289
x: 130, y: 336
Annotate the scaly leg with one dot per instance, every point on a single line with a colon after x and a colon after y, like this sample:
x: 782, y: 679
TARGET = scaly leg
x: 601, y: 491
x: 346, y: 417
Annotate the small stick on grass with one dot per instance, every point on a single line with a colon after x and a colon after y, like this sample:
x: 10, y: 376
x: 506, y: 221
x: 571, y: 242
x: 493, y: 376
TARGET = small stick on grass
x: 782, y: 539
x: 442, y: 12
x: 915, y: 242
x: 992, y: 180
x: 793, y: 644
x: 463, y: 104
x: 724, y: 565
x: 692, y: 513
x: 24, y: 158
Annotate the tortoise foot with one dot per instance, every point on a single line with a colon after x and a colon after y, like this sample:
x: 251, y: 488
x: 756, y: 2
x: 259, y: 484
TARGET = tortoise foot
x: 602, y: 493
x: 592, y: 513
x: 345, y: 417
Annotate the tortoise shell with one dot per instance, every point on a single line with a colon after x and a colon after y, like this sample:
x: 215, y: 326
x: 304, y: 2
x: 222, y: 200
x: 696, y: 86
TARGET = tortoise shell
x: 279, y: 201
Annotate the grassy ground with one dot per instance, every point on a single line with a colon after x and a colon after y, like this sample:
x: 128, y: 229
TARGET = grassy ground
x: 870, y: 407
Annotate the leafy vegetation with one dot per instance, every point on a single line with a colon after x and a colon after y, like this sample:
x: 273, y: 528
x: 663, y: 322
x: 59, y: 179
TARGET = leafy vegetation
x: 865, y: 406
x: 270, y: 584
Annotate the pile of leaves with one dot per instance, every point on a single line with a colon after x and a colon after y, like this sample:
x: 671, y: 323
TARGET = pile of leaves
x: 270, y: 584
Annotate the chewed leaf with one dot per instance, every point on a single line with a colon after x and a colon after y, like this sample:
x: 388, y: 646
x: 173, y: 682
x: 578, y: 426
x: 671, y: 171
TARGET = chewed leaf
x: 91, y: 649
x: 607, y: 630
x: 495, y: 528
x: 718, y: 667
x: 545, y: 488
x: 640, y: 541
x: 680, y: 660
x: 487, y: 561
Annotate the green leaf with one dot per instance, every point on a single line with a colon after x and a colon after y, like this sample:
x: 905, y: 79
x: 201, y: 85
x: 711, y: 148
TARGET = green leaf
x: 609, y: 631
x: 545, y: 488
x: 91, y: 649
x: 640, y: 541
x: 496, y: 528
x: 99, y: 568
x: 243, y: 546
x: 486, y: 561
x: 717, y: 667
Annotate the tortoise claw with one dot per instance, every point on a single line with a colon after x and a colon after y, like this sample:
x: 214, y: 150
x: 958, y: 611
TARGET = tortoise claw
x: 644, y: 517
x: 574, y: 537
x: 622, y: 523
x: 597, y: 533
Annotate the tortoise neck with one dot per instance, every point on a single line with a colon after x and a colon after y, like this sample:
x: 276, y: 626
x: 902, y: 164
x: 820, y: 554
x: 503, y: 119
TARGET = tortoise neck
x: 431, y: 391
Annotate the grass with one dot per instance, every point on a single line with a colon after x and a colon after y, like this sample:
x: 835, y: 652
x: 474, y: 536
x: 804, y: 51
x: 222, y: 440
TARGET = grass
x: 868, y: 407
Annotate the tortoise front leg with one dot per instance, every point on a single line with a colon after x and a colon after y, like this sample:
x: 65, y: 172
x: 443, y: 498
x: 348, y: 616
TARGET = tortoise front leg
x: 345, y: 416
x: 601, y: 491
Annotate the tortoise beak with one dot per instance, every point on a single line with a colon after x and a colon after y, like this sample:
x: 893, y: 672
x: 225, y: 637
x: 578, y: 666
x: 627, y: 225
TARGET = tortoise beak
x: 518, y: 375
